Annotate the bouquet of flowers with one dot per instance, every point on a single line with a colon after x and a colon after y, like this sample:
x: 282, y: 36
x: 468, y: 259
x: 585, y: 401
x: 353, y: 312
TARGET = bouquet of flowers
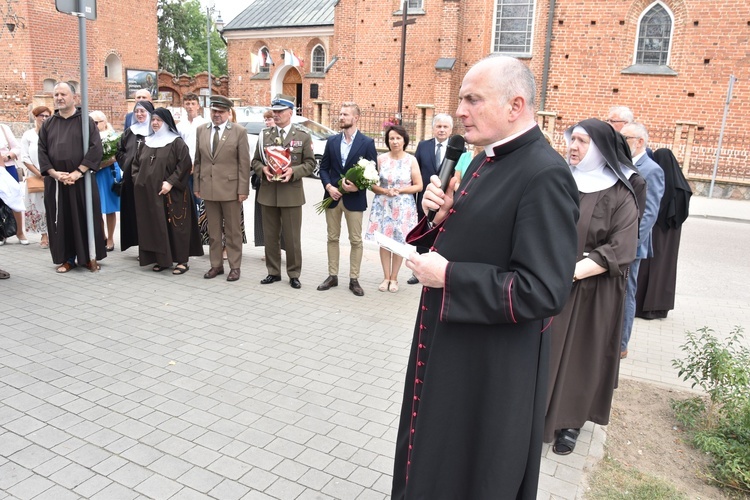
x: 109, y: 146
x: 363, y: 175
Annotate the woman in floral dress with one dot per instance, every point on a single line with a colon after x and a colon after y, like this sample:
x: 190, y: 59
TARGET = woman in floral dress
x: 394, y: 211
x: 36, y: 221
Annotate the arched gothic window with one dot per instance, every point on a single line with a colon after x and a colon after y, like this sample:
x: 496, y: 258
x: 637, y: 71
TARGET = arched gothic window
x: 318, y: 59
x: 654, y: 35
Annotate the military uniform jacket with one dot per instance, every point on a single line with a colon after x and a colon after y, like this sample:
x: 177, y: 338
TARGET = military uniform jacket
x: 225, y: 175
x: 285, y: 194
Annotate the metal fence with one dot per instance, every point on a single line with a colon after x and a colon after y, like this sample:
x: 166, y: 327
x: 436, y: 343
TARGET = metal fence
x: 695, y: 149
x: 372, y: 122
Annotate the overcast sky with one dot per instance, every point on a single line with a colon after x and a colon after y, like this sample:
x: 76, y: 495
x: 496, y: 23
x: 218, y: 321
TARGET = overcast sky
x: 229, y: 8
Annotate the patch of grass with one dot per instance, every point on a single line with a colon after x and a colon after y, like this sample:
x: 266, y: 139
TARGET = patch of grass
x: 613, y: 481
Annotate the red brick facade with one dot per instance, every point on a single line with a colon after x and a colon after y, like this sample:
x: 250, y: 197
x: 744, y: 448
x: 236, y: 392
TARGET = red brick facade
x: 48, y: 49
x: 592, y: 43
x: 172, y: 88
x: 257, y: 89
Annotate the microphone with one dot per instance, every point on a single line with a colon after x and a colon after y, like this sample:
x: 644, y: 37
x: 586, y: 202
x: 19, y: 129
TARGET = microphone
x: 453, y: 152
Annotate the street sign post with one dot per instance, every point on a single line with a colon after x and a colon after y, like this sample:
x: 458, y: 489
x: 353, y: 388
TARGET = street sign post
x: 83, y: 10
x: 88, y: 9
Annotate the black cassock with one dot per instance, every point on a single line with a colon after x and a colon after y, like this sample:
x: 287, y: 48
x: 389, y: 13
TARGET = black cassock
x: 130, y: 145
x: 474, y: 400
x: 61, y: 149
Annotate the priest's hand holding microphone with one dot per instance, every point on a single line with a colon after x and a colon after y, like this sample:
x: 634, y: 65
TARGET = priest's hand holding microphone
x: 429, y: 268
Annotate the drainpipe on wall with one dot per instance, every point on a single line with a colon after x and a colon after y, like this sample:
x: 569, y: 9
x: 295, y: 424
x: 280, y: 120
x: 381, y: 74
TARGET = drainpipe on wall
x: 547, y: 50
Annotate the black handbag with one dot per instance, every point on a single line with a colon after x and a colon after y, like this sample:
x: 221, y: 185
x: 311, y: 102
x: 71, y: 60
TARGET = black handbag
x: 7, y: 221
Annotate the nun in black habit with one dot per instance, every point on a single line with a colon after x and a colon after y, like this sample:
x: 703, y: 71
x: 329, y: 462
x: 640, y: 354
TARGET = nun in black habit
x: 585, y: 354
x: 131, y: 143
x: 657, y: 276
x: 167, y: 224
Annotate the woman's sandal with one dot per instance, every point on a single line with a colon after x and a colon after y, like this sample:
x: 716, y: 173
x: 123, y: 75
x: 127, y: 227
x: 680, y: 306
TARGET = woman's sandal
x: 181, y: 269
x: 157, y: 268
x: 566, y: 441
x: 393, y: 287
x: 65, y: 268
x: 384, y: 285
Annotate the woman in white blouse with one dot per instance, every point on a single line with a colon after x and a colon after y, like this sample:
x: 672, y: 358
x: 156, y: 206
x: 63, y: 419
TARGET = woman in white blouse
x: 36, y: 220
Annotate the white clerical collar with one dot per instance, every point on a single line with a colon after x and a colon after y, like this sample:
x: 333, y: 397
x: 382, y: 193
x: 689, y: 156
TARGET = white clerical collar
x: 161, y: 137
x: 490, y: 149
x: 142, y: 128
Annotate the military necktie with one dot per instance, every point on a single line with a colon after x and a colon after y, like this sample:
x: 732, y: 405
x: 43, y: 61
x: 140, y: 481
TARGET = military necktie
x: 215, y: 143
x: 281, y: 135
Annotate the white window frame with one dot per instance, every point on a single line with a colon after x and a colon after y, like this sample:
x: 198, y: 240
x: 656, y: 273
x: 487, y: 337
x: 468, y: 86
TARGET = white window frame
x: 638, y: 34
x: 267, y: 68
x: 530, y: 32
x: 312, y: 59
x: 414, y: 5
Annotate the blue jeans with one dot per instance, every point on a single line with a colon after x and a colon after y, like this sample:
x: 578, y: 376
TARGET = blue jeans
x: 629, y: 314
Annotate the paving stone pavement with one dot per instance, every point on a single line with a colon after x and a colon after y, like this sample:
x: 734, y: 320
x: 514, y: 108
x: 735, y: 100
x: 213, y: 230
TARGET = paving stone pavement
x: 130, y: 384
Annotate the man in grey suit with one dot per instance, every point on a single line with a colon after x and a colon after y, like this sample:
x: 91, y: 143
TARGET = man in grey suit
x: 282, y: 199
x: 637, y: 137
x: 430, y: 154
x: 342, y: 152
x: 221, y: 176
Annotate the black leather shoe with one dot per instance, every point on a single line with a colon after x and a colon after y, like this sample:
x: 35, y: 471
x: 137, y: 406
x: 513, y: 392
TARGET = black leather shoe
x: 329, y: 283
x: 413, y: 280
x: 213, y: 272
x: 355, y: 288
x: 270, y: 279
x: 294, y: 283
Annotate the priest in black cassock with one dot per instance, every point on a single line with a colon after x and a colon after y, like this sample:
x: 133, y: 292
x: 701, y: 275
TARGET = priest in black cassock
x: 503, y: 250
x: 63, y: 165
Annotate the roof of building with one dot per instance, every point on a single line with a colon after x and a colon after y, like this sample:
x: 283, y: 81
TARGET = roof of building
x: 263, y: 14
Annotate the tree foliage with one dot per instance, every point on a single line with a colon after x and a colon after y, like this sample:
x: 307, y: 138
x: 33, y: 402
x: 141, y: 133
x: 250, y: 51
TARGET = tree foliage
x: 182, y: 39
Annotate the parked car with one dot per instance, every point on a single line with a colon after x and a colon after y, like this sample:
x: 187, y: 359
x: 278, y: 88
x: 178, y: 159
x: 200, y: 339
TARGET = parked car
x: 251, y: 117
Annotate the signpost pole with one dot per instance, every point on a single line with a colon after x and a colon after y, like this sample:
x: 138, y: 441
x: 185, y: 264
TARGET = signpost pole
x: 85, y: 128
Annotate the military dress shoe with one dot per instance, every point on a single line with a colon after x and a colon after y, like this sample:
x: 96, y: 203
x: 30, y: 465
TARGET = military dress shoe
x: 213, y: 272
x: 234, y: 275
x: 294, y: 283
x: 329, y: 283
x: 270, y: 279
x: 413, y: 280
x: 355, y: 288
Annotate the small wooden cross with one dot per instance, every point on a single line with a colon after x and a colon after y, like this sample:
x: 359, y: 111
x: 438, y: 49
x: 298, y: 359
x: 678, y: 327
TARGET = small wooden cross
x: 153, y: 157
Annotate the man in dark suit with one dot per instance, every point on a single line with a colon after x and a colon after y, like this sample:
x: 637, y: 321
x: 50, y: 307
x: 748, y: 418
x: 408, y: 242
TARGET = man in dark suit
x: 342, y: 152
x: 282, y: 199
x: 140, y: 95
x: 430, y: 154
x: 221, y: 176
x: 637, y: 137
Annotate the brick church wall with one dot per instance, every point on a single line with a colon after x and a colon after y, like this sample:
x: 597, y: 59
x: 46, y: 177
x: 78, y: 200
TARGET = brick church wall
x: 592, y: 43
x: 48, y: 48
